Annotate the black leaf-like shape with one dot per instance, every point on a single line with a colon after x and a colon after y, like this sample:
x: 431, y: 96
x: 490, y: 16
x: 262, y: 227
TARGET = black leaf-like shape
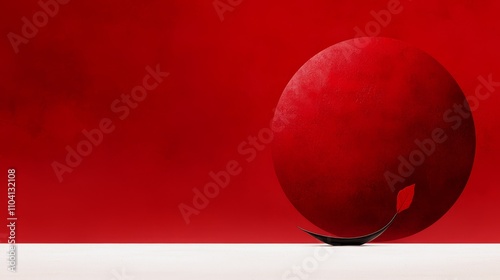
x: 345, y: 241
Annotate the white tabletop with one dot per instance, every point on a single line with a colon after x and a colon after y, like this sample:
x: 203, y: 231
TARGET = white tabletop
x: 253, y: 261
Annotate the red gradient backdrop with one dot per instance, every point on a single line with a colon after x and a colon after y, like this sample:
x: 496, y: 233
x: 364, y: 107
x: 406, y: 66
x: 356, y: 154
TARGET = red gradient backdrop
x: 225, y: 79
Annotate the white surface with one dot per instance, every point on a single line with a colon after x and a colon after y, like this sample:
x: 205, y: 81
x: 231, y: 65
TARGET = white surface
x: 253, y: 261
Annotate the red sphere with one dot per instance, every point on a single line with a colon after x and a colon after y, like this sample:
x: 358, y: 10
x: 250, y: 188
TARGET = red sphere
x: 356, y: 125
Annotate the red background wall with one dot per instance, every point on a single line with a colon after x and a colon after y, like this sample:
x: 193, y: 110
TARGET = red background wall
x: 225, y: 79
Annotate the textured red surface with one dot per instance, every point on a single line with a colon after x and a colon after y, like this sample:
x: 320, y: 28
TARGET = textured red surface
x: 226, y: 78
x: 353, y: 120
